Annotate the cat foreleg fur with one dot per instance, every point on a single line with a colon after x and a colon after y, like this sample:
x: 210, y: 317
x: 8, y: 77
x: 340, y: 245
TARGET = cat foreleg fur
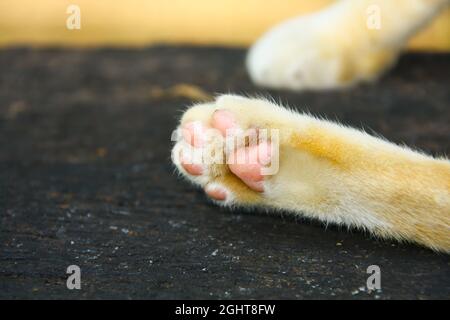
x: 332, y: 173
x: 339, y: 46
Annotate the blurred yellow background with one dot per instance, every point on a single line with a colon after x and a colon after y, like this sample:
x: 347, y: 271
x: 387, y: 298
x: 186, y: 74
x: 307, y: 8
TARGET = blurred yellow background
x: 141, y: 23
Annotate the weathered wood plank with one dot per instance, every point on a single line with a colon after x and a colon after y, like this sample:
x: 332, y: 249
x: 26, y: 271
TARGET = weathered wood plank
x: 85, y: 179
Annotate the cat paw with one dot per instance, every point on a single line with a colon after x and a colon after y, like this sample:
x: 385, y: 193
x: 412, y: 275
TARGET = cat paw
x: 226, y: 149
x: 332, y: 48
x: 253, y: 153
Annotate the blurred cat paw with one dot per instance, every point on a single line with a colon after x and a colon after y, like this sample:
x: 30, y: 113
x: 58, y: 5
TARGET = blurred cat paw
x: 333, y: 48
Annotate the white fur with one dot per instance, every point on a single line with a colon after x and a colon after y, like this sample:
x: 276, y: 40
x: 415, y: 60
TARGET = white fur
x: 331, y: 48
x: 335, y: 174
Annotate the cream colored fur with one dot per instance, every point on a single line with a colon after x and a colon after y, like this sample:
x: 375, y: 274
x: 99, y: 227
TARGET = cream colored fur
x: 340, y: 45
x: 327, y: 171
x: 335, y: 174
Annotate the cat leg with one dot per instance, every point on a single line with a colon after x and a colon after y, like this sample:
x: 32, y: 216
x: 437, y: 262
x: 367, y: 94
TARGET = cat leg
x: 314, y: 168
x: 346, y: 43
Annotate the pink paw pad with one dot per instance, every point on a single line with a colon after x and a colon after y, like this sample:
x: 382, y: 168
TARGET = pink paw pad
x: 215, y: 192
x: 224, y: 120
x: 192, y: 168
x: 194, y: 133
x: 247, y: 164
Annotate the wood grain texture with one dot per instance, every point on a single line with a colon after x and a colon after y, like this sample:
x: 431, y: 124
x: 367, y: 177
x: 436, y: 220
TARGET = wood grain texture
x: 86, y: 179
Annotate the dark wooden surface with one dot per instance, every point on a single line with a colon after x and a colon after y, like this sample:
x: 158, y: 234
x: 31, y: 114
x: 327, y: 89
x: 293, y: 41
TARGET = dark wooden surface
x: 85, y: 179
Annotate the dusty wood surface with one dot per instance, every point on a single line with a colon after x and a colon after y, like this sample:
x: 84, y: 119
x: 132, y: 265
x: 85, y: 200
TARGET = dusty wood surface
x: 85, y: 179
